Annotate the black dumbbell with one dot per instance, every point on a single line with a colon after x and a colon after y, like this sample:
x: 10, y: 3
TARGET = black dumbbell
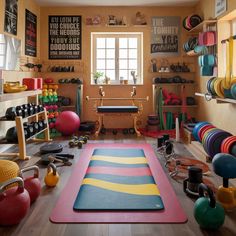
x: 114, y: 131
x: 27, y: 134
x: 103, y: 131
x: 131, y: 130
x: 35, y: 127
x: 44, y: 124
x: 125, y: 131
x: 11, y: 135
x: 30, y: 109
x: 20, y: 111
x: 35, y: 107
x: 10, y: 113
x: 40, y: 108
x: 25, y: 110
x: 29, y: 128
x: 41, y: 125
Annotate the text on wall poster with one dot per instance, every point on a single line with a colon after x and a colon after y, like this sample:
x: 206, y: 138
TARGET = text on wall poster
x: 64, y: 37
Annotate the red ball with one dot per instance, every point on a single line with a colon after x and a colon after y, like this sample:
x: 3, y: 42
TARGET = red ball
x: 67, y: 123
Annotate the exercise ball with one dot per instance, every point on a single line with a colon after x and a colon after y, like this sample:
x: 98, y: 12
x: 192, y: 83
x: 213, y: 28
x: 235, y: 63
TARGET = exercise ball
x: 67, y: 123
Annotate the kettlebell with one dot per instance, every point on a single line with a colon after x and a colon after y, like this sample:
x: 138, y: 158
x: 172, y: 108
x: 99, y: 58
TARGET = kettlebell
x: 52, y: 177
x: 32, y: 183
x: 10, y: 198
x: 208, y: 213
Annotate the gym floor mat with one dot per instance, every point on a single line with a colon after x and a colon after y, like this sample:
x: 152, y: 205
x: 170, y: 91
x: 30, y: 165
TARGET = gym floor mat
x: 63, y: 212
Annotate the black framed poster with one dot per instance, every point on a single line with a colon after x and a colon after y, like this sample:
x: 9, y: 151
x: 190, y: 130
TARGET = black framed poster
x: 165, y: 35
x: 10, y: 20
x: 30, y: 34
x: 64, y: 35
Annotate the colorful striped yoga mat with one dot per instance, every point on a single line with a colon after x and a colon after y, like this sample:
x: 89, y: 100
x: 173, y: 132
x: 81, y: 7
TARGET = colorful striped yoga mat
x: 118, y: 179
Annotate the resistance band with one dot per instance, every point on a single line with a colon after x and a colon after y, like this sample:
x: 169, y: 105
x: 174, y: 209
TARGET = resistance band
x: 78, y: 101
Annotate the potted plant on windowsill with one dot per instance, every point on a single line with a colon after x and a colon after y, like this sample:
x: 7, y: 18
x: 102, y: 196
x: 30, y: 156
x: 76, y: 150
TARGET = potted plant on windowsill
x: 96, y: 76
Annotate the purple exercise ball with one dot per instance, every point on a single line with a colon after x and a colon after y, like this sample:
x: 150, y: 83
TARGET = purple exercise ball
x: 67, y: 123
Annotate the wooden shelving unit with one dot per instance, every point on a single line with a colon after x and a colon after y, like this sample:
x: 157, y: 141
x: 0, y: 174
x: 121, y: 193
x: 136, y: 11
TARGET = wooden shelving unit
x: 10, y: 96
x: 19, y: 123
x: 202, y: 26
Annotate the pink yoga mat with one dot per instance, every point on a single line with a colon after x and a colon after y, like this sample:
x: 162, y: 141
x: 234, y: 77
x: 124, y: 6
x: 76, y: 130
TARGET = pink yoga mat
x: 63, y: 211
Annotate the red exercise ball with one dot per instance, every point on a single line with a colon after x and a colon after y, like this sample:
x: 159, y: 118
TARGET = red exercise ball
x: 67, y: 123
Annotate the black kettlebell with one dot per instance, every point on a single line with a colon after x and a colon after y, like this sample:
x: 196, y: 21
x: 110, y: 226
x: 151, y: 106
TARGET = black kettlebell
x: 191, y: 184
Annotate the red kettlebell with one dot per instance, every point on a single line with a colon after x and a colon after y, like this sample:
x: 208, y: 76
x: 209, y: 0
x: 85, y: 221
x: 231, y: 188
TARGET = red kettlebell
x: 32, y: 183
x: 14, y: 202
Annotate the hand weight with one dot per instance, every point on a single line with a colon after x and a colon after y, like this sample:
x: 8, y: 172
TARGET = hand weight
x: 10, y: 113
x: 35, y: 126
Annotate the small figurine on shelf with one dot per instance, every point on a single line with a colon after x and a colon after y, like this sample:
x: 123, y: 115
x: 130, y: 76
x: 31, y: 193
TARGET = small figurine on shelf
x: 107, y: 80
x: 111, y: 20
x: 96, y: 20
x: 154, y: 65
x: 140, y: 19
x: 89, y: 21
x: 124, y: 20
x: 135, y: 77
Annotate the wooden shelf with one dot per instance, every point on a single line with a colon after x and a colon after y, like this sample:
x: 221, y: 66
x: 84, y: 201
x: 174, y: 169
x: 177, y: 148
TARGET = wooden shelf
x: 200, y: 27
x: 117, y: 26
x: 172, y: 72
x: 175, y: 84
x: 10, y: 96
x: 179, y: 106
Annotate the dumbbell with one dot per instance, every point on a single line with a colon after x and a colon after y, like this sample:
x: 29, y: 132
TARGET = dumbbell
x: 11, y: 113
x: 125, y: 131
x: 114, y: 131
x: 35, y: 127
x: 29, y: 129
x: 30, y: 109
x: 40, y: 108
x: 41, y: 125
x: 20, y: 111
x: 11, y: 135
x: 131, y: 130
x: 35, y: 107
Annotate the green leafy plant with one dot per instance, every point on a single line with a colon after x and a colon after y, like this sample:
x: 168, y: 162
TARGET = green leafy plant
x: 97, y: 75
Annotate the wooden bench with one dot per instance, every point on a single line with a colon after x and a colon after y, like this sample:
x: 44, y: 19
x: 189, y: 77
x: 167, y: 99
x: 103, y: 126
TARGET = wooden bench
x: 133, y: 110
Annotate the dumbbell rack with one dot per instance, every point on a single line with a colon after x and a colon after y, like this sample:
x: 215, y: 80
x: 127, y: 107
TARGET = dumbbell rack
x: 21, y: 136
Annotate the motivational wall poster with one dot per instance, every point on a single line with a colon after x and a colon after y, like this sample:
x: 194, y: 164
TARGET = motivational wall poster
x: 10, y: 20
x: 64, y: 37
x: 30, y: 34
x: 165, y: 35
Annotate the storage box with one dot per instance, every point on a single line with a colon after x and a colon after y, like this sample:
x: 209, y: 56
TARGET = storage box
x: 39, y: 83
x: 32, y: 83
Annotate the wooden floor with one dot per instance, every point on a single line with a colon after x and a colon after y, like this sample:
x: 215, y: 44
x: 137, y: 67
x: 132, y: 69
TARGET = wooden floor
x: 37, y: 220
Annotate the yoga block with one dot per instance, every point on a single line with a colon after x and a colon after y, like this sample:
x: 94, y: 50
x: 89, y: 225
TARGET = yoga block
x: 32, y: 83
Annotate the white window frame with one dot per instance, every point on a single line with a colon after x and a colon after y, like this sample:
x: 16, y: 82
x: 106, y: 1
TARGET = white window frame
x: 117, y: 35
